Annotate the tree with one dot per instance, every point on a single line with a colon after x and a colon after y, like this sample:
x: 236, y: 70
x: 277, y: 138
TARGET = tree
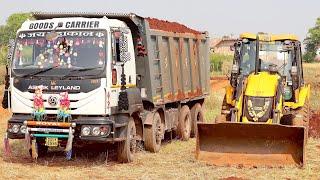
x: 312, y: 42
x: 9, y: 30
x: 13, y: 23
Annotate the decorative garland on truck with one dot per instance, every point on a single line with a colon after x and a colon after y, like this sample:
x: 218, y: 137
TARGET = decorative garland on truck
x: 64, y: 109
x: 38, y: 128
x: 38, y: 107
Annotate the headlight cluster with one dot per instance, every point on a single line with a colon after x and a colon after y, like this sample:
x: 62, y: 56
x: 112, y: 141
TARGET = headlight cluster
x: 95, y: 130
x: 16, y: 128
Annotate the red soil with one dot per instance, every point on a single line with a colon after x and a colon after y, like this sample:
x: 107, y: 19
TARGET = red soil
x: 314, y: 126
x: 170, y: 26
x: 218, y: 83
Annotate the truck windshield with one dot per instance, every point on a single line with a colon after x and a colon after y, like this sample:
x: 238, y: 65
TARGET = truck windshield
x: 269, y: 53
x: 71, y: 50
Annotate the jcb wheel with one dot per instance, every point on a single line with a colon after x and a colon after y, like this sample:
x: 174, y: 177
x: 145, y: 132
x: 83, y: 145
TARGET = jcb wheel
x: 127, y: 148
x: 184, y: 126
x: 225, y: 112
x: 197, y: 116
x: 302, y: 116
x: 153, y: 134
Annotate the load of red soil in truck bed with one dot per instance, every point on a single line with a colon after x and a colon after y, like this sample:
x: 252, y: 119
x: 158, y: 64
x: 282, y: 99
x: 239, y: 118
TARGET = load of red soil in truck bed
x: 170, y: 26
x: 314, y: 126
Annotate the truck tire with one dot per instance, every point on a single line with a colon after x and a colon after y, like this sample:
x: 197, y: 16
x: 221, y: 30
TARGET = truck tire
x: 127, y: 148
x: 154, y: 134
x: 302, y: 116
x: 184, y: 125
x: 197, y: 116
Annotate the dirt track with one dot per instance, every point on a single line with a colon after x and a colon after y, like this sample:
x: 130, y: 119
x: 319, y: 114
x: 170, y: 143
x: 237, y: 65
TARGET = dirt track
x: 175, y: 160
x: 218, y: 83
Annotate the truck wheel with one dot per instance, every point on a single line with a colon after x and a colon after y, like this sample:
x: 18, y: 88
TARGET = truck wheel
x: 302, y: 116
x: 154, y: 134
x: 197, y: 116
x: 184, y: 126
x: 127, y: 148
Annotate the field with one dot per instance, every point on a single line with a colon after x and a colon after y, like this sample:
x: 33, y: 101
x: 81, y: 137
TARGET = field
x: 175, y: 159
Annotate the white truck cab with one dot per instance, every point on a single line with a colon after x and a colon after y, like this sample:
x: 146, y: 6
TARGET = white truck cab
x: 82, y: 78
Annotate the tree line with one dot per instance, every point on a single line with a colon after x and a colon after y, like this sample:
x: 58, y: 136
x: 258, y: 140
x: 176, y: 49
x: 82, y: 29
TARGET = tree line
x: 8, y: 31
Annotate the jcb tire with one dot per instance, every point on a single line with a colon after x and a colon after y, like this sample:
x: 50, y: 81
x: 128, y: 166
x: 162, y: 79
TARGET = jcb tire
x: 225, y: 107
x: 127, y: 148
x: 154, y: 134
x: 184, y: 125
x: 302, y: 116
x: 197, y: 116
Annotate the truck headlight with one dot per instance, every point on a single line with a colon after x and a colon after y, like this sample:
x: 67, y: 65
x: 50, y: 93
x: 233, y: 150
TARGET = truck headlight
x: 15, y: 128
x: 23, y: 129
x: 105, y: 130
x: 96, y: 131
x: 86, y: 131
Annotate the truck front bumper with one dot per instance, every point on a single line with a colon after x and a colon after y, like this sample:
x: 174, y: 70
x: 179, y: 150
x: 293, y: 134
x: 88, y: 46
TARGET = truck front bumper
x: 116, y: 130
x: 115, y: 133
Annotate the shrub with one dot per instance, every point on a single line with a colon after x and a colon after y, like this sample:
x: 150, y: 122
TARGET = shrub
x: 220, y: 63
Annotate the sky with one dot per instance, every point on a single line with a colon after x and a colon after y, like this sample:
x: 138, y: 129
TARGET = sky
x: 224, y: 17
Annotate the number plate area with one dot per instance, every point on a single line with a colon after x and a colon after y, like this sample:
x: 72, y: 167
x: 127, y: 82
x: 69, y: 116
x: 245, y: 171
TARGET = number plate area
x: 52, y: 142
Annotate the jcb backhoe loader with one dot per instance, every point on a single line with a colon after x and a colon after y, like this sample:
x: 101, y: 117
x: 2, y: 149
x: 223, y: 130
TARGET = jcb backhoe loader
x: 265, y: 113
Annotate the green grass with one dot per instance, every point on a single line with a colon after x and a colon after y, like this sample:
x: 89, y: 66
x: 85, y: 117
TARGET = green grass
x: 212, y: 105
x: 312, y: 77
x: 221, y: 63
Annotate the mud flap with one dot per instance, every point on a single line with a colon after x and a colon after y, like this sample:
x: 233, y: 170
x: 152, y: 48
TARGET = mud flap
x: 250, y: 145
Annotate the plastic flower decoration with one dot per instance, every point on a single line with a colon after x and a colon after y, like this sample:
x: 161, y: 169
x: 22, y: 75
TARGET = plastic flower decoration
x: 38, y: 107
x: 64, y: 109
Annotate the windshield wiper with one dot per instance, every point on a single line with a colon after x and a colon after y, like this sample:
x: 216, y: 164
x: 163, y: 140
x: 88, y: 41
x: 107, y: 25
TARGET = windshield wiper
x: 70, y: 74
x: 38, y: 72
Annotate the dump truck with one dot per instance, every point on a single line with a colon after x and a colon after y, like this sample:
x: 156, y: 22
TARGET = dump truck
x: 265, y: 112
x: 104, y: 78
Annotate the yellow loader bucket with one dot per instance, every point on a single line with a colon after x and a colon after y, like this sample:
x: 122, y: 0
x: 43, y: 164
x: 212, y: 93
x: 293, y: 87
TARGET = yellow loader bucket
x: 245, y: 144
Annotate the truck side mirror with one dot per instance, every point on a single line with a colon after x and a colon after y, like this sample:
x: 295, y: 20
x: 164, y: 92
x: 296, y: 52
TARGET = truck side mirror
x: 11, y: 48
